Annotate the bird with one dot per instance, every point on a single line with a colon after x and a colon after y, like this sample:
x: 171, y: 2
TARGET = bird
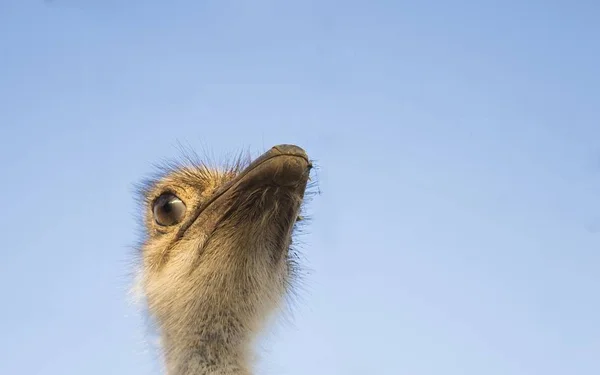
x: 216, y: 258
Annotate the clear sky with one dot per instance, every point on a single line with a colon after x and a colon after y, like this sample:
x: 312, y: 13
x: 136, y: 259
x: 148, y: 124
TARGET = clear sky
x: 458, y: 226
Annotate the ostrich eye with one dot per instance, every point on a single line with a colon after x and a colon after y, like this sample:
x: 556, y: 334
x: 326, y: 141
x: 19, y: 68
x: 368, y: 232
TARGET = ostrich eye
x: 168, y: 210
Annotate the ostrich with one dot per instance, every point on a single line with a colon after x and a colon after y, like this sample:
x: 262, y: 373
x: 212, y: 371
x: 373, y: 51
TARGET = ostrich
x: 216, y: 259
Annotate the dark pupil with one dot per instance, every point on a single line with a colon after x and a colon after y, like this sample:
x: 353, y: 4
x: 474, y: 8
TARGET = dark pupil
x: 167, y: 207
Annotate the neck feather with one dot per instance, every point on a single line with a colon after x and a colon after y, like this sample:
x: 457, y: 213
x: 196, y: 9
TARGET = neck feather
x: 218, y: 346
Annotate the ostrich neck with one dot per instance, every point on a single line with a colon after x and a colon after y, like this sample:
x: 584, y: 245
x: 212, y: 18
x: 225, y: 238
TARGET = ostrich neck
x: 215, y: 347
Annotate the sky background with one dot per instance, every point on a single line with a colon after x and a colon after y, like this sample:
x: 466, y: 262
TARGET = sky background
x: 458, y: 144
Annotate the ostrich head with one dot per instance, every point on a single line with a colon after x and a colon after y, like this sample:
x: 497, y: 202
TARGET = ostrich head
x: 216, y: 258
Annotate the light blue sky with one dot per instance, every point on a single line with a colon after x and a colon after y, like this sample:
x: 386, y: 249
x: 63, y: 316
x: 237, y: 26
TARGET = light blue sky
x: 458, y: 229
